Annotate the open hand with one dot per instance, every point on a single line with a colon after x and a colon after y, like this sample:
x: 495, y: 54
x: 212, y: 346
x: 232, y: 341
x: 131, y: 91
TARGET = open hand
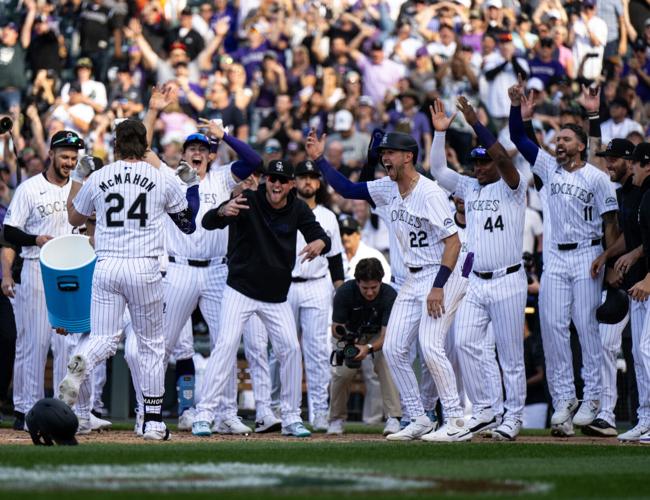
x: 439, y: 118
x: 590, y: 99
x: 314, y: 146
x: 234, y: 206
x: 312, y: 250
x: 467, y: 109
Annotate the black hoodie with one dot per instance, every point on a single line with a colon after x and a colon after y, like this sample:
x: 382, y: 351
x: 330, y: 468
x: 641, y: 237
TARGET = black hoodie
x: 262, y: 244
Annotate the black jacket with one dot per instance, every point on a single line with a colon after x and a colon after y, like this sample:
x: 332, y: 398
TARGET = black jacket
x: 262, y: 244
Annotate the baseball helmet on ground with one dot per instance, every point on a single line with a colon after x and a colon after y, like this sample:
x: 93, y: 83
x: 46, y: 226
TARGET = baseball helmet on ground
x: 615, y: 307
x: 399, y: 142
x: 52, y: 421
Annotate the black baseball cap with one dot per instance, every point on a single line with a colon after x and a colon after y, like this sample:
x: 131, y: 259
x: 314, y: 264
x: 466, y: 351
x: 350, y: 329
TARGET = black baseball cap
x: 66, y: 139
x: 307, y: 167
x: 641, y: 153
x: 617, y: 148
x: 349, y: 224
x: 281, y: 168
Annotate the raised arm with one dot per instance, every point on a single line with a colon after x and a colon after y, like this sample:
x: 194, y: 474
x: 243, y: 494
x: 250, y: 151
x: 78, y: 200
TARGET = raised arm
x: 497, y: 152
x: 342, y: 185
x: 518, y: 136
x: 445, y: 176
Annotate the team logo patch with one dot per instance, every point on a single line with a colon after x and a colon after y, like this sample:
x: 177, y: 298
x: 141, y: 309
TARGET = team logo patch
x: 384, y: 140
x: 610, y: 200
x: 448, y: 222
x: 279, y: 167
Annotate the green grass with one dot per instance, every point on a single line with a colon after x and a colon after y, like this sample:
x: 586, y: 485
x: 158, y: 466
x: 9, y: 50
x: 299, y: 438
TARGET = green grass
x: 577, y: 471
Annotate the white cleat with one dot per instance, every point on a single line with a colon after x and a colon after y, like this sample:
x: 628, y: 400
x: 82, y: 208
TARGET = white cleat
x: 69, y: 386
x: 392, y: 426
x: 85, y: 427
x: 415, y: 430
x: 186, y: 420
x: 564, y: 411
x: 564, y: 429
x: 232, y: 426
x: 587, y: 413
x: 99, y: 424
x: 482, y: 420
x: 453, y: 431
x: 320, y: 423
x: 335, y: 427
x: 635, y: 433
x: 270, y: 423
x: 507, y: 431
x: 156, y: 431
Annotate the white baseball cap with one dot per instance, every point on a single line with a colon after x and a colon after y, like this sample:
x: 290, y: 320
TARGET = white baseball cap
x: 535, y: 84
x: 494, y: 3
x: 343, y: 120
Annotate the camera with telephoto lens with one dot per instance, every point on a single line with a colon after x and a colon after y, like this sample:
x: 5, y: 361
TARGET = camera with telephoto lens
x: 5, y: 124
x: 346, y: 349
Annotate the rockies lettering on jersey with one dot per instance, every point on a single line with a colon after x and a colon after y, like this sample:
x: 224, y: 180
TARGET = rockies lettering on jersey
x: 495, y: 222
x: 576, y: 200
x: 420, y: 221
x: 39, y: 207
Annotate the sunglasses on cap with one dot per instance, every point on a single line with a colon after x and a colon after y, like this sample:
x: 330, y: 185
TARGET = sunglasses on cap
x: 69, y: 140
x: 277, y: 178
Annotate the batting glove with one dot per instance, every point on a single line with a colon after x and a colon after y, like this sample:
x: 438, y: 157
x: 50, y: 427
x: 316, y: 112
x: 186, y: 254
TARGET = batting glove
x: 85, y: 167
x: 187, y: 174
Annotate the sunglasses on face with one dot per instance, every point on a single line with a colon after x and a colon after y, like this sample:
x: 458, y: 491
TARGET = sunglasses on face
x: 347, y: 232
x: 275, y: 178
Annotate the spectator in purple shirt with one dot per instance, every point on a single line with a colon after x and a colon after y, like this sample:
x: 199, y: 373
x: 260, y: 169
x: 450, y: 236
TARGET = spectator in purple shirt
x: 411, y: 120
x: 252, y: 55
x: 544, y: 65
x: 379, y: 73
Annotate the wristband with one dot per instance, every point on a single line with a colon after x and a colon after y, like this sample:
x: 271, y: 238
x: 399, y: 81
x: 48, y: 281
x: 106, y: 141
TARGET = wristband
x: 441, y: 278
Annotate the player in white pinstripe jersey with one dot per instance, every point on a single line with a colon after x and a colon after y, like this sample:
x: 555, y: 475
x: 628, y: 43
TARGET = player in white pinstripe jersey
x: 428, y: 238
x: 37, y: 214
x: 310, y: 296
x: 580, y: 201
x: 495, y: 205
x: 131, y: 199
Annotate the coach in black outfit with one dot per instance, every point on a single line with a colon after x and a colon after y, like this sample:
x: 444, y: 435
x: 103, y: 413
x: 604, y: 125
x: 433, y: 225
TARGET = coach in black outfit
x: 263, y: 225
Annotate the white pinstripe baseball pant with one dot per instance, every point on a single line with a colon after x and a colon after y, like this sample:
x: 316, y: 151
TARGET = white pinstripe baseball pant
x: 567, y: 291
x: 281, y: 328
x: 409, y: 321
x: 610, y: 337
x: 500, y: 301
x: 116, y: 283
x: 640, y: 317
x: 34, y: 338
x: 256, y: 342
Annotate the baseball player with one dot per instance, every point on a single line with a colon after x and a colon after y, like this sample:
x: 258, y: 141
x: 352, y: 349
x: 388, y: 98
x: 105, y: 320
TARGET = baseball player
x: 37, y: 214
x: 261, y: 254
x: 426, y: 232
x: 630, y: 273
x: 620, y: 172
x: 130, y: 198
x: 495, y: 205
x: 310, y: 295
x: 580, y: 199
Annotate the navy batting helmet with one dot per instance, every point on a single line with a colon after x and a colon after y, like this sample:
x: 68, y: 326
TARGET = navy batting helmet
x: 52, y: 421
x: 399, y: 142
x: 479, y: 154
x: 615, y: 307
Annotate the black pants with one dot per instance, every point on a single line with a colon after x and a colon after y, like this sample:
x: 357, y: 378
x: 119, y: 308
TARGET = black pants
x: 7, y: 345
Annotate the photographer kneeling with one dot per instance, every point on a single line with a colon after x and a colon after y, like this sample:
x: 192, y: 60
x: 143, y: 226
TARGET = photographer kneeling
x: 361, y: 310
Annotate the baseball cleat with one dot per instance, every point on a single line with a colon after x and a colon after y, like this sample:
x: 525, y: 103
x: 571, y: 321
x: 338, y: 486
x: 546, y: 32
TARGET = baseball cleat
x: 85, y: 427
x: 415, y: 430
x: 335, y: 427
x: 232, y: 425
x: 452, y: 431
x: 599, y: 428
x: 19, y: 422
x: 645, y: 438
x: 320, y: 423
x: 564, y: 411
x: 99, y: 424
x: 433, y: 417
x: 156, y: 431
x: 69, y: 386
x: 270, y: 423
x: 201, y: 428
x: 507, y: 431
x: 587, y: 413
x: 483, y: 420
x: 564, y: 429
x: 392, y: 426
x: 186, y: 420
x: 297, y: 429
x: 635, y: 433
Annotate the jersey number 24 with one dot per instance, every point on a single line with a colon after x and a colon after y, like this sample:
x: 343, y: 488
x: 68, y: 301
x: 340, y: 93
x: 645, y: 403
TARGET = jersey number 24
x: 137, y: 211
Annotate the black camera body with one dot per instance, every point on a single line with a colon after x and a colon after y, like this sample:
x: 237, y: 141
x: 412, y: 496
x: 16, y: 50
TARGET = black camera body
x: 6, y: 124
x: 346, y: 347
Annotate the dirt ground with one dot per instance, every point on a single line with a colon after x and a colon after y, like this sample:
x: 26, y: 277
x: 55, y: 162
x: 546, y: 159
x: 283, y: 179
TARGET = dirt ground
x: 9, y: 436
